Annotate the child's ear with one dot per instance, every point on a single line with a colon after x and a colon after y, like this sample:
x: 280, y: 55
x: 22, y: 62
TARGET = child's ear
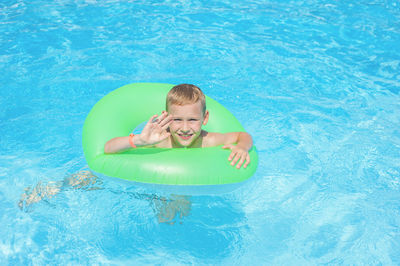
x: 206, y: 115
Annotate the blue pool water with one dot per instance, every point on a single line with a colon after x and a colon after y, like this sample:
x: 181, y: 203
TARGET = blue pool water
x: 316, y: 83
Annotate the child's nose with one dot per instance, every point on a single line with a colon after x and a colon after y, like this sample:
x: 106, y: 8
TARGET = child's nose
x: 185, y: 126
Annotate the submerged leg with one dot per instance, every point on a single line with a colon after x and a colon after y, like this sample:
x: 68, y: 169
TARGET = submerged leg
x: 167, y: 209
x: 80, y: 180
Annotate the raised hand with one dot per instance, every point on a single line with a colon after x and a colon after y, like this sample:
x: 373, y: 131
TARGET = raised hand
x: 238, y: 154
x: 155, y: 130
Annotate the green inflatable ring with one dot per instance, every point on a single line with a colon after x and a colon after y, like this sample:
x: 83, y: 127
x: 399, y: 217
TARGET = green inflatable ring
x: 123, y: 109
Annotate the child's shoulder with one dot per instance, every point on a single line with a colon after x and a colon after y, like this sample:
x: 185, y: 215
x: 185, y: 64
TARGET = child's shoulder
x: 210, y: 138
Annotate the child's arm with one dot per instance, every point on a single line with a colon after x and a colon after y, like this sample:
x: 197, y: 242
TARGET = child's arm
x: 154, y: 132
x: 239, y: 152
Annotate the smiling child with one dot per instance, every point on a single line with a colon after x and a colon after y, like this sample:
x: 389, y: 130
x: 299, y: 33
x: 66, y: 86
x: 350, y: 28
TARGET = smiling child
x: 181, y: 127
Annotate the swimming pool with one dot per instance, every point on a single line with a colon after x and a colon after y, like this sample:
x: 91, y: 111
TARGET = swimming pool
x: 316, y: 83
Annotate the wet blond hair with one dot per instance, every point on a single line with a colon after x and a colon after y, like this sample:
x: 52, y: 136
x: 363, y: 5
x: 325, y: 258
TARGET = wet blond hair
x: 183, y: 94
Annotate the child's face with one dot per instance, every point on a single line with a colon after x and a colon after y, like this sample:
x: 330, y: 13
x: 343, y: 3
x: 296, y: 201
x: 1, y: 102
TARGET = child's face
x: 187, y: 122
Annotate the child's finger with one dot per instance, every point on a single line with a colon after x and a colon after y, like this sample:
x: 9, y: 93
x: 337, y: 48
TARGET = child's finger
x: 161, y: 118
x: 151, y: 119
x: 164, y: 114
x: 149, y: 123
x: 247, y: 161
x: 234, y: 161
x: 166, y: 120
x: 167, y: 124
x: 165, y: 127
x: 231, y: 156
x: 240, y: 162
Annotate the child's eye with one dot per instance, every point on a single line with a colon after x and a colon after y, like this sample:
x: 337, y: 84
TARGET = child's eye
x: 192, y: 119
x: 177, y: 119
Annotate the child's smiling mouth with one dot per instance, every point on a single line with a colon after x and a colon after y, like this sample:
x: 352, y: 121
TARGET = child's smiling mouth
x: 185, y: 136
